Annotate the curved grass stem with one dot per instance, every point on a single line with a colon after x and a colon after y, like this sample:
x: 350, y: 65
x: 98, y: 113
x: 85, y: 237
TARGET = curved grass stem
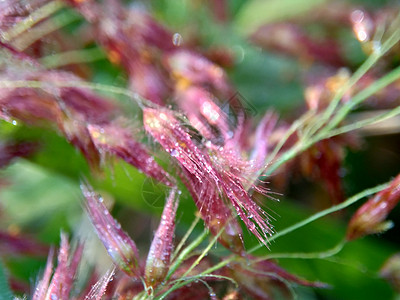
x: 362, y: 70
x: 34, y: 17
x: 185, y: 237
x: 311, y: 255
x: 325, y: 212
x: 360, y: 97
x: 185, y: 253
x: 72, y: 57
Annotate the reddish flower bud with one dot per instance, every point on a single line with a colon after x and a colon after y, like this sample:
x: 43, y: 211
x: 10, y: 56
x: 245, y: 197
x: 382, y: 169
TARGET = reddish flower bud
x: 84, y: 118
x: 158, y: 258
x: 147, y: 80
x: 369, y: 218
x: 132, y: 39
x: 203, y: 113
x: 119, y: 245
x: 391, y: 271
x: 118, y: 141
x: 67, y: 108
x: 195, y: 69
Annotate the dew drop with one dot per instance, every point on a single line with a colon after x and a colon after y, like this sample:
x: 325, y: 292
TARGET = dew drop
x: 377, y: 47
x: 174, y: 153
x: 14, y: 122
x: 177, y: 39
x: 252, y: 226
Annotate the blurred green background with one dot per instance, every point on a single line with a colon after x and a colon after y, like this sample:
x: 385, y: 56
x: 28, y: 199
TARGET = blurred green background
x: 44, y: 196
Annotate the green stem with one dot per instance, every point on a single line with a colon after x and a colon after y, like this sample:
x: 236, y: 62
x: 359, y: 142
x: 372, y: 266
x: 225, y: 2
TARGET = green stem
x: 26, y: 39
x: 204, y: 252
x: 185, y: 237
x: 72, y: 57
x: 361, y: 96
x: 185, y: 253
x: 33, y: 18
x: 361, y: 71
x: 286, y: 156
x: 323, y: 213
x: 342, y: 113
x: 295, y: 126
x: 360, y: 124
x: 195, y: 263
x: 312, y: 255
x: 75, y: 84
x: 219, y: 265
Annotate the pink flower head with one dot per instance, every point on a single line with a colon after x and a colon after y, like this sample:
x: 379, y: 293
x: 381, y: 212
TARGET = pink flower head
x: 369, y: 218
x: 218, y: 180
